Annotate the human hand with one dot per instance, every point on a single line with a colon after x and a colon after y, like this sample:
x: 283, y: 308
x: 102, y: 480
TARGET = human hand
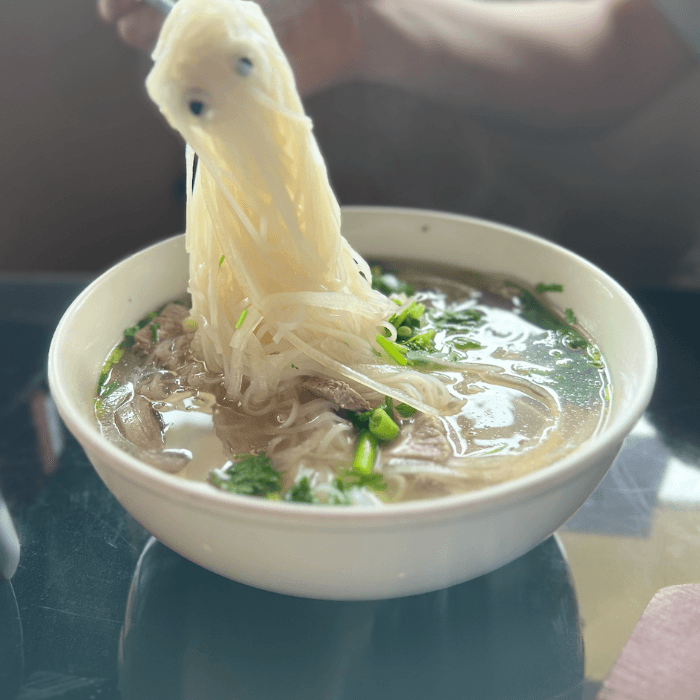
x: 320, y: 37
x: 137, y: 23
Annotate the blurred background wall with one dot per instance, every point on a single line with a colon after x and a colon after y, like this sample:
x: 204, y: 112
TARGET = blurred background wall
x: 91, y: 173
x: 87, y: 169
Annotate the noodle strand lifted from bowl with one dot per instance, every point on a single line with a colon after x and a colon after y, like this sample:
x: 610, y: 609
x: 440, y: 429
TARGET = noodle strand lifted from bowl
x: 277, y: 292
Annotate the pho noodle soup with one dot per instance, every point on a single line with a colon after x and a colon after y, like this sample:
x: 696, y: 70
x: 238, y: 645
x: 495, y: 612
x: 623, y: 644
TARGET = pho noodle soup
x: 525, y: 388
x: 295, y: 371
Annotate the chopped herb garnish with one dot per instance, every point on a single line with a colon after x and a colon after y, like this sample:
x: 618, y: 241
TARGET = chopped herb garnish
x: 595, y: 358
x: 252, y: 475
x: 542, y: 287
x: 394, y: 350
x: 405, y: 411
x: 190, y: 324
x: 241, y: 318
x: 294, y: 366
x: 114, y: 357
x: 301, y: 492
x: 459, y: 319
x: 365, y: 453
x: 466, y: 344
x: 409, y: 317
x: 109, y: 389
x: 422, y: 341
x: 154, y: 332
x: 360, y: 421
x: 533, y: 311
x: 386, y: 283
x: 352, y: 479
x: 130, y: 332
x: 221, y: 260
x: 382, y: 426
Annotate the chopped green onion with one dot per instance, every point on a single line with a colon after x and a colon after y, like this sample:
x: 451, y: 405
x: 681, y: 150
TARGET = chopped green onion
x: 241, y: 318
x: 382, y: 426
x: 570, y: 317
x: 109, y: 389
x: 404, y: 410
x: 349, y: 479
x: 221, y: 260
x: 154, y: 332
x: 404, y: 332
x: 115, y: 356
x: 365, y: 453
x: 392, y: 349
x: 542, y: 287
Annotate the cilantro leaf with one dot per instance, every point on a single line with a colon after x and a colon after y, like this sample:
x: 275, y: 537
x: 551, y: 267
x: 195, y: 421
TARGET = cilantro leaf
x: 253, y: 475
x: 301, y: 492
x: 532, y: 310
x: 459, y: 318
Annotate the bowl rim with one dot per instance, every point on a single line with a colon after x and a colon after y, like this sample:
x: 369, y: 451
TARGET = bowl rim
x: 201, y: 496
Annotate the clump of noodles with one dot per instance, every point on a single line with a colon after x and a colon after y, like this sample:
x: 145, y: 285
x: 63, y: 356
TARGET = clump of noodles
x: 277, y: 292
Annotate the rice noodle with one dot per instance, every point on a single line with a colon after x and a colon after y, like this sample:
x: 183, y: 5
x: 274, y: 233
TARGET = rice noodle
x: 271, y: 276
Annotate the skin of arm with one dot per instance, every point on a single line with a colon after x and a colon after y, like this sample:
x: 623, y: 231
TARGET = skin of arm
x: 550, y: 65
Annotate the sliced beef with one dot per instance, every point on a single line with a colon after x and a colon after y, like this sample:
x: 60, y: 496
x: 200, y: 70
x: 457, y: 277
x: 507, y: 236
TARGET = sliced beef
x: 158, y: 386
x: 172, y: 353
x: 424, y: 438
x: 137, y: 422
x: 337, y: 391
x: 168, y: 324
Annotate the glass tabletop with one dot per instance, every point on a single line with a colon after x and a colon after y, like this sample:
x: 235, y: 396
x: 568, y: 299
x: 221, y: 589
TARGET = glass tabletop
x: 98, y: 608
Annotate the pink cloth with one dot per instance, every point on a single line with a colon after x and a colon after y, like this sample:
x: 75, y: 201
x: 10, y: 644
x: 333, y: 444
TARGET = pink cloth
x: 661, y: 659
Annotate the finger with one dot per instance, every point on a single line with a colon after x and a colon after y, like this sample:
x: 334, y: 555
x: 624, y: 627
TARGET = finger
x: 112, y: 10
x: 140, y: 28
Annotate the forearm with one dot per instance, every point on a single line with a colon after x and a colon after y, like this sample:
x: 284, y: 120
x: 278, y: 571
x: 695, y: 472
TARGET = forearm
x: 548, y: 64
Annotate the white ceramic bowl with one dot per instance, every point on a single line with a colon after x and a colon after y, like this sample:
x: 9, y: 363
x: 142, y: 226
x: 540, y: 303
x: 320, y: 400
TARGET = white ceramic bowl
x: 358, y: 552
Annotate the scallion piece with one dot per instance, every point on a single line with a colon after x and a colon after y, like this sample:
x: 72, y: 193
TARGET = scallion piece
x: 404, y: 410
x: 542, y: 287
x: 391, y: 349
x: 241, y: 318
x: 382, y: 426
x: 365, y: 453
x: 221, y: 260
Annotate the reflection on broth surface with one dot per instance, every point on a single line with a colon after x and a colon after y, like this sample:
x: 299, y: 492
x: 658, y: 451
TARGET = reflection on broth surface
x: 525, y: 388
